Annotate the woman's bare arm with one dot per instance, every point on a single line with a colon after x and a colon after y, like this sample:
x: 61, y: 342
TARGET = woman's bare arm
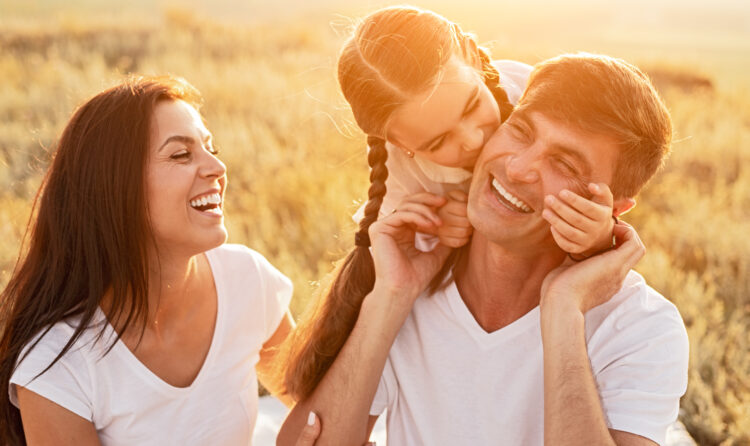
x: 46, y: 423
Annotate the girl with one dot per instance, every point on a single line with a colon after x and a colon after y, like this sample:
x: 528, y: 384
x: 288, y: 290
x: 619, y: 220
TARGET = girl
x: 428, y: 98
x: 120, y: 324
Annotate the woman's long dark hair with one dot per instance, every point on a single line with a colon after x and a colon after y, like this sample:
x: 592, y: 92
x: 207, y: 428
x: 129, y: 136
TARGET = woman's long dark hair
x: 91, y: 232
x: 394, y: 53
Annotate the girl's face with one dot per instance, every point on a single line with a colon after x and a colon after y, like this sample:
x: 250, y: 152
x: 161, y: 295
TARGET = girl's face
x: 449, y: 123
x: 185, y: 181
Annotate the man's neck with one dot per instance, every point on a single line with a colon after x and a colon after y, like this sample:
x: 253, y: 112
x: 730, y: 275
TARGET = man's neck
x: 499, y: 285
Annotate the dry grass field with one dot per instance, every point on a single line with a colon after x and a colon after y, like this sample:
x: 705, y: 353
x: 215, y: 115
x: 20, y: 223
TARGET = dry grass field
x: 296, y: 162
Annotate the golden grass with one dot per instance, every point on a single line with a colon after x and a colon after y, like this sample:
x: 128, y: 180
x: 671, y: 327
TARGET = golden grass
x: 297, y: 165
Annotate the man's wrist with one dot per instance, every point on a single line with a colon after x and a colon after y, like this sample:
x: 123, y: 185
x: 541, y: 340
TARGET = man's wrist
x: 559, y: 314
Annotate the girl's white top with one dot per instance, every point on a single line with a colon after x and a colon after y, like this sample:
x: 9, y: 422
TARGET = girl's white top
x: 129, y: 405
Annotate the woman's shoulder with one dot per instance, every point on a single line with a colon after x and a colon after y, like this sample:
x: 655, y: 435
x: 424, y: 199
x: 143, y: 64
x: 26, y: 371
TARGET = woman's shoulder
x: 234, y: 255
x: 240, y: 266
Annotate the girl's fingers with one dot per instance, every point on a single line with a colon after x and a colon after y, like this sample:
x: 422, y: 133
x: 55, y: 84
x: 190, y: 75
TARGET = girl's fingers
x: 589, y: 210
x: 564, y: 244
x: 454, y: 242
x: 455, y: 231
x: 601, y: 194
x: 452, y: 207
x: 397, y: 222
x: 421, y: 209
x: 424, y: 198
x: 569, y: 232
x: 569, y: 214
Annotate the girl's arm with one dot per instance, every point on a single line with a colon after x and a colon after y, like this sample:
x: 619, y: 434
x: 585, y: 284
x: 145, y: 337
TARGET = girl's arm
x: 46, y: 423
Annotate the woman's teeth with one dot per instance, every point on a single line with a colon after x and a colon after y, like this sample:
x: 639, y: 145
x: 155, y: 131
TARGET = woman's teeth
x: 207, y: 202
x: 520, y: 205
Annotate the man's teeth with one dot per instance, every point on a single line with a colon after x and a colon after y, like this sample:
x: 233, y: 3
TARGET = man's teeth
x: 208, y: 199
x: 513, y: 200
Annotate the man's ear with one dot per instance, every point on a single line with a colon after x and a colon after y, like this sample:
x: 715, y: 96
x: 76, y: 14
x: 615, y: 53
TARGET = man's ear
x: 622, y: 205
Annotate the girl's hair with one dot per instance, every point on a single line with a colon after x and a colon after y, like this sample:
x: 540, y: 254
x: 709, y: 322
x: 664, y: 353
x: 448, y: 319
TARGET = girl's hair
x: 394, y: 54
x: 91, y: 233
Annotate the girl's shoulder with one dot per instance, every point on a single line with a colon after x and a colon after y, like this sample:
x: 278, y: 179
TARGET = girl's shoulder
x: 513, y: 77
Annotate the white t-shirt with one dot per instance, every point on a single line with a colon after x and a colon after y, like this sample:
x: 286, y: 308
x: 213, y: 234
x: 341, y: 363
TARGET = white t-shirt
x: 129, y: 405
x: 447, y: 381
x: 407, y: 176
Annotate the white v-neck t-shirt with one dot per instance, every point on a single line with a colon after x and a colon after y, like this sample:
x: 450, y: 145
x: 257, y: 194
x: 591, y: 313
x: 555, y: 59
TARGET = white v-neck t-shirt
x: 129, y: 405
x: 447, y: 381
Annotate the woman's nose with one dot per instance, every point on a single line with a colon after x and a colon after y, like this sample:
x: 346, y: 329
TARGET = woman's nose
x: 212, y: 166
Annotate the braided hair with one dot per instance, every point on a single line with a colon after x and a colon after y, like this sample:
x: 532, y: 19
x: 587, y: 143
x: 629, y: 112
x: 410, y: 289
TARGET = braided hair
x: 394, y: 53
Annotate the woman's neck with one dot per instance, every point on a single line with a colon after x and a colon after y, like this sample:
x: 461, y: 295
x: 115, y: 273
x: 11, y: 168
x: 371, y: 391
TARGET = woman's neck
x: 175, y: 285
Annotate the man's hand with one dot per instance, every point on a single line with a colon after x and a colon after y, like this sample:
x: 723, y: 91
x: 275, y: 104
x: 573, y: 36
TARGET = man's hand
x: 595, y: 280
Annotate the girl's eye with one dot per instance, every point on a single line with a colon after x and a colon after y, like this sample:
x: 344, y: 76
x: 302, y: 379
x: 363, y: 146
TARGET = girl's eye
x: 437, y: 146
x: 473, y: 107
x: 213, y: 150
x: 183, y: 154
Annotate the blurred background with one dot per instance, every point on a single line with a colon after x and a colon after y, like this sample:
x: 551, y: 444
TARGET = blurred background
x: 297, y: 163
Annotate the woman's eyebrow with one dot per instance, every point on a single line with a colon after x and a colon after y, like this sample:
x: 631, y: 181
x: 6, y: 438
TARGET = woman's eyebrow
x: 469, y: 103
x: 187, y: 140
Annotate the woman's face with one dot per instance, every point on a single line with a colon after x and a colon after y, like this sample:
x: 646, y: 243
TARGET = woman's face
x: 449, y: 123
x: 185, y: 181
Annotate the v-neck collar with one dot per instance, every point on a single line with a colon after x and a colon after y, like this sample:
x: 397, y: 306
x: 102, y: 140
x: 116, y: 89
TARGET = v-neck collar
x: 527, y: 322
x: 155, y: 381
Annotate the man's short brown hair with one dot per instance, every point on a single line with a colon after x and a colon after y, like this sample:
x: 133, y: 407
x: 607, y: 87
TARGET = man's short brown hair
x: 603, y: 94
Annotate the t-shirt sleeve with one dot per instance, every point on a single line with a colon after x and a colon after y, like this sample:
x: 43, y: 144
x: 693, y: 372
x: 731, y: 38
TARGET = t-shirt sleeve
x: 387, y: 391
x: 641, y: 372
x: 277, y: 293
x: 67, y: 383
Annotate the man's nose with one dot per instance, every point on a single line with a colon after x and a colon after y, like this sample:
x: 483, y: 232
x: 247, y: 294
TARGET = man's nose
x: 522, y: 167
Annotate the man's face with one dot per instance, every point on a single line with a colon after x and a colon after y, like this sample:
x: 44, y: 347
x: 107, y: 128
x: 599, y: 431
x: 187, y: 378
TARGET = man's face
x: 529, y: 157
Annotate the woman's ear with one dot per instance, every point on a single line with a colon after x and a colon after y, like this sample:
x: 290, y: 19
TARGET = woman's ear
x: 622, y: 206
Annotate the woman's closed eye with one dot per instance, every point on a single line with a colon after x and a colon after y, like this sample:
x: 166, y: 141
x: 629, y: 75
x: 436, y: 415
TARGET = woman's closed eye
x: 181, y: 155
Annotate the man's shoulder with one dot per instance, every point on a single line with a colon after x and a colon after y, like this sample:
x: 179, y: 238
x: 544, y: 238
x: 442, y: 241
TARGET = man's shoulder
x: 637, y: 308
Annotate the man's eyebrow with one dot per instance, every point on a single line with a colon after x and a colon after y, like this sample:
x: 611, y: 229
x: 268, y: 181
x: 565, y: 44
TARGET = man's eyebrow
x: 187, y: 140
x: 469, y: 102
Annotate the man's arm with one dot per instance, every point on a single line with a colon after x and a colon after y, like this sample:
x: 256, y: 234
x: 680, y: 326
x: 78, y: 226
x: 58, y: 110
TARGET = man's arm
x: 572, y: 409
x: 343, y: 398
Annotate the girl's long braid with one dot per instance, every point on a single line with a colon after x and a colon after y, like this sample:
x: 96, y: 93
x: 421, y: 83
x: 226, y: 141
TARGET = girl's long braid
x: 336, y: 312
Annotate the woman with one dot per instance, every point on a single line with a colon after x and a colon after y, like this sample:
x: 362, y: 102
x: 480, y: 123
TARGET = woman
x: 128, y: 321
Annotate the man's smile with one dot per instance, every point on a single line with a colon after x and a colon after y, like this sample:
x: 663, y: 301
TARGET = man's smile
x: 509, y: 200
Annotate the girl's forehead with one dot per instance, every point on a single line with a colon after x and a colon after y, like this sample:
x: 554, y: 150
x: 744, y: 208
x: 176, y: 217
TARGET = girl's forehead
x: 437, y: 109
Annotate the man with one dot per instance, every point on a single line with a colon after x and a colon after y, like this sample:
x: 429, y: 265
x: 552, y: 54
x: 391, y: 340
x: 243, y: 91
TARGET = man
x: 520, y: 347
